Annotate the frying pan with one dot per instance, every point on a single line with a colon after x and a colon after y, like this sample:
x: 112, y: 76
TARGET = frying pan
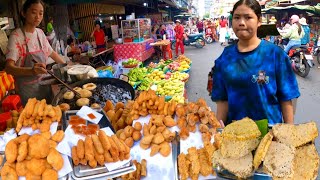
x: 58, y: 99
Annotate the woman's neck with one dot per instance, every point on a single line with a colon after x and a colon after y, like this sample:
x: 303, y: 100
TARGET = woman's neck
x: 29, y: 28
x: 248, y: 45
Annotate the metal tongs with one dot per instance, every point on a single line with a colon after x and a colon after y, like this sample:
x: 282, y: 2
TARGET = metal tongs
x: 175, y: 153
x: 66, y: 85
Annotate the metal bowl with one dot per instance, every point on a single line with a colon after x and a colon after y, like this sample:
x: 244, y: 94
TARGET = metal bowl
x: 78, y: 73
x: 118, y: 41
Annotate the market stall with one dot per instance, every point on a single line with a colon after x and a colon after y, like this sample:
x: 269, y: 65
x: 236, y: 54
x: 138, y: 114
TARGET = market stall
x: 111, y: 131
x: 136, y: 36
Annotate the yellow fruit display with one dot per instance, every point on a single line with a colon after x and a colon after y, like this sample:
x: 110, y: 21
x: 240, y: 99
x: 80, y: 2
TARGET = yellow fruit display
x: 156, y: 75
x: 170, y: 88
x: 178, y: 76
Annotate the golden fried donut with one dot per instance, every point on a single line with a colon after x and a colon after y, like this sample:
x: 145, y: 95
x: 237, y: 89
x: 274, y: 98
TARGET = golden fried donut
x: 95, y: 106
x: 89, y: 86
x: 68, y: 95
x: 85, y: 93
x: 64, y: 107
x: 77, y: 89
x: 82, y: 102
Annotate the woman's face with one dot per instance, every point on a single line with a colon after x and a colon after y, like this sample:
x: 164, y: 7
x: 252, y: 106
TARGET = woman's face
x: 34, y: 14
x: 245, y: 23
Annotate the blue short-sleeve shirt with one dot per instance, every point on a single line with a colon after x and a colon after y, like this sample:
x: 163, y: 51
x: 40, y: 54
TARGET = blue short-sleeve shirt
x: 254, y: 83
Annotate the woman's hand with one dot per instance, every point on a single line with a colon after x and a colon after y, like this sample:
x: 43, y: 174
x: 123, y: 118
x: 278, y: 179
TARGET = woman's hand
x: 39, y: 68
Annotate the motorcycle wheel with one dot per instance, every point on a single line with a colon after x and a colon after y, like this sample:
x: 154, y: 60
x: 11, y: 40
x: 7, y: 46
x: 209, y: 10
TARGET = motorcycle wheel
x: 209, y: 40
x: 173, y: 45
x: 318, y: 57
x: 200, y: 43
x: 305, y: 71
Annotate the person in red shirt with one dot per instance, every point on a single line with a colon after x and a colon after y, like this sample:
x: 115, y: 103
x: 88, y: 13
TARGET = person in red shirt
x: 223, y: 30
x: 179, y: 31
x: 99, y: 37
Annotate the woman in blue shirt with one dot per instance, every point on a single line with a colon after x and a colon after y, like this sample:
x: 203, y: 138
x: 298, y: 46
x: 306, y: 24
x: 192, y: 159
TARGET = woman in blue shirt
x: 306, y: 38
x: 253, y: 78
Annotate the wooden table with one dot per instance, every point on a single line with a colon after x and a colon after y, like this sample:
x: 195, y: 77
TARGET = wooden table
x: 98, y: 58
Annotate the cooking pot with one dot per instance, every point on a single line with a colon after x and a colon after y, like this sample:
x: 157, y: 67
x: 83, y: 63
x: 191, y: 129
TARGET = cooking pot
x: 60, y: 70
x: 58, y: 99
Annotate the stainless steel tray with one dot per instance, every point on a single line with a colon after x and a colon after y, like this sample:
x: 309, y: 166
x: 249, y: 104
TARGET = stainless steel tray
x: 82, y: 172
x: 223, y: 173
x: 85, y: 172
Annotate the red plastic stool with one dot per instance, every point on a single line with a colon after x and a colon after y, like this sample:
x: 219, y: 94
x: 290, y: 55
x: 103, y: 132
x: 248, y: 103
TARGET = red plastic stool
x: 4, y: 117
x: 12, y: 102
x: 167, y: 49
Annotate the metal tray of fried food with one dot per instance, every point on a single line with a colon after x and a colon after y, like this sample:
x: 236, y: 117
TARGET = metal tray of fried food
x: 82, y: 172
x: 257, y: 175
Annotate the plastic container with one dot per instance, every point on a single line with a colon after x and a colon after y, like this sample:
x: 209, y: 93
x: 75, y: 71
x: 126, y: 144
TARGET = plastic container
x: 12, y: 102
x: 4, y: 117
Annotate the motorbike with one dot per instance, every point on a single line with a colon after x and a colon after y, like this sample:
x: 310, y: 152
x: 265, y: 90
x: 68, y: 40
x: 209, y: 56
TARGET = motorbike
x: 301, y: 59
x: 316, y: 51
x: 196, y: 40
x: 209, y: 36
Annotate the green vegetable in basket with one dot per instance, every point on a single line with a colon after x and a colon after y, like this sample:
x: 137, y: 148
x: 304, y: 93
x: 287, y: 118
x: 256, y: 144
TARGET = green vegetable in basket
x: 145, y: 84
x: 137, y: 74
x: 131, y: 61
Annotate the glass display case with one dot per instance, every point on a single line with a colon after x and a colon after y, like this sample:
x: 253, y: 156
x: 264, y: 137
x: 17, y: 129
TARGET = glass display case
x: 136, y: 30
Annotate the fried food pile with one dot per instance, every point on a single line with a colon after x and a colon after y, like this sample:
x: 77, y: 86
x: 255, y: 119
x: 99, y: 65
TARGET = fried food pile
x: 99, y: 149
x: 192, y: 113
x: 130, y: 134
x: 34, y: 157
x: 157, y: 136
x: 146, y: 103
x: 38, y: 115
x: 119, y: 114
x: 293, y: 154
x: 238, y: 141
x: 196, y: 162
x: 141, y: 171
x: 287, y: 152
x: 149, y: 103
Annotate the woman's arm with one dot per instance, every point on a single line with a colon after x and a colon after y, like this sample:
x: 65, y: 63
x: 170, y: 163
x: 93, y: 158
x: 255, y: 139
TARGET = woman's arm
x: 14, y: 70
x: 55, y: 56
x: 93, y: 32
x: 287, y: 111
x: 222, y: 110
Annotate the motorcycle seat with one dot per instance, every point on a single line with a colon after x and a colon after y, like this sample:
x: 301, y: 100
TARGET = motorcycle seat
x: 303, y: 47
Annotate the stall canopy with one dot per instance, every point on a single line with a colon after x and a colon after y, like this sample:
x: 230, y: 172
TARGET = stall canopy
x: 303, y: 8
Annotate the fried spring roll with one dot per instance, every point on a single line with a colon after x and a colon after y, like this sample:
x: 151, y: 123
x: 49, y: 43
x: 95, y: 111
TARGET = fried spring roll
x: 74, y: 156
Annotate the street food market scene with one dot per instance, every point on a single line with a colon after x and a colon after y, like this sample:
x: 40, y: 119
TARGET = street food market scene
x: 159, y: 89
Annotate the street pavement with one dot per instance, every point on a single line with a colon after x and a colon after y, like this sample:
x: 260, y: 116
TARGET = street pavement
x: 308, y: 104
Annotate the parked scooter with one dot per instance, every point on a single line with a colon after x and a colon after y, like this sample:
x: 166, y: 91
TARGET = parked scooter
x: 196, y: 40
x: 316, y: 50
x: 301, y: 59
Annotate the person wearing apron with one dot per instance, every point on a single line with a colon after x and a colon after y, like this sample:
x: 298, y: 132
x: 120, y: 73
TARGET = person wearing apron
x: 25, y: 45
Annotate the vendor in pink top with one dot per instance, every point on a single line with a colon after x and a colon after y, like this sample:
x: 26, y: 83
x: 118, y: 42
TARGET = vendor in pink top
x: 99, y: 37
x: 26, y: 44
